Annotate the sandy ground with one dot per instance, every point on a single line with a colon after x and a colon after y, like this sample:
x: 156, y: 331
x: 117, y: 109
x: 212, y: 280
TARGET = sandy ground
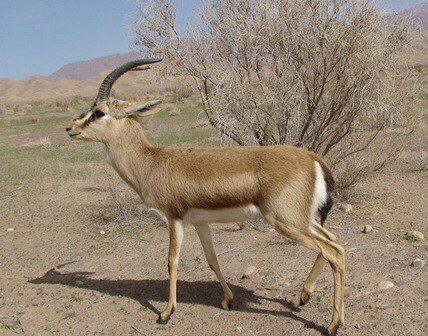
x: 58, y: 196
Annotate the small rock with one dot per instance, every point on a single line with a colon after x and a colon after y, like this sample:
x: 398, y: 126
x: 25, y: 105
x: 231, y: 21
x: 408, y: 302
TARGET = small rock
x: 415, y: 235
x: 249, y: 272
x: 33, y: 119
x: 174, y: 112
x: 79, y: 283
x: 10, y: 230
x: 345, y: 207
x: 102, y: 232
x: 238, y: 329
x: 367, y: 229
x: 384, y: 285
x: 358, y: 326
x: 418, y: 263
x: 57, y: 271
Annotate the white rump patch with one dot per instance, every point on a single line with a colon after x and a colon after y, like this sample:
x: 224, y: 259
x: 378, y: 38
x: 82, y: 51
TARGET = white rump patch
x: 320, y: 193
x: 225, y: 215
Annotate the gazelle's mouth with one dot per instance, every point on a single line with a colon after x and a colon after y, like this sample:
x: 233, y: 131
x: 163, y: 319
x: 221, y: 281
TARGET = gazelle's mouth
x: 75, y: 136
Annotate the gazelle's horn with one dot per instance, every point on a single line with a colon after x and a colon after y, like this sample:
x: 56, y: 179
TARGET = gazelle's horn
x: 107, y: 84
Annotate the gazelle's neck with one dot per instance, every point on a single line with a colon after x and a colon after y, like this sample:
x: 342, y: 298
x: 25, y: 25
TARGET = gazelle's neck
x: 128, y: 152
x: 127, y: 131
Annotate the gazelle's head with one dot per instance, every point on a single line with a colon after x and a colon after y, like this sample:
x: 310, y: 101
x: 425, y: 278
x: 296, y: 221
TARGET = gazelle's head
x: 97, y: 123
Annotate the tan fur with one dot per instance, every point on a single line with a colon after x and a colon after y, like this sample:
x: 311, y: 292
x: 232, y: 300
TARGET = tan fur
x: 277, y: 180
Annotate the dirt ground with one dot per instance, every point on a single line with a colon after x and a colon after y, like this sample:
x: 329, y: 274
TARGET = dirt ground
x: 58, y: 196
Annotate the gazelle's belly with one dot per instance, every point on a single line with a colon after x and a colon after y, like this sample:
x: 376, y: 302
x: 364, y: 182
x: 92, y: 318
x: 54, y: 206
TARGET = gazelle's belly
x: 226, y: 215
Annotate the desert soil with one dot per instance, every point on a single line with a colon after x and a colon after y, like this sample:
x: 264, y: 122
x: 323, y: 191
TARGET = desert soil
x: 59, y: 196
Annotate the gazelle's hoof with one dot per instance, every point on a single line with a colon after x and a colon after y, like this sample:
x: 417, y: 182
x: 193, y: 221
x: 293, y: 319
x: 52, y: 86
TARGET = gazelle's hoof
x: 160, y: 320
x: 226, y: 304
x: 304, y: 298
x: 332, y: 329
x: 165, y: 316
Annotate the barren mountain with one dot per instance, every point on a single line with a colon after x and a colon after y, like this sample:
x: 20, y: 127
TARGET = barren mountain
x: 36, y: 88
x: 86, y: 69
x: 419, y: 12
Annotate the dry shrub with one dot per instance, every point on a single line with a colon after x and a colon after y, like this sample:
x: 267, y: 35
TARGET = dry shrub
x: 3, y: 110
x: 123, y: 209
x: 328, y: 76
x: 180, y: 92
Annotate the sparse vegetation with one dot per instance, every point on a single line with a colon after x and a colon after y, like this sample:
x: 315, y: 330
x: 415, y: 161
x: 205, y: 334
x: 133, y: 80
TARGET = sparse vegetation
x: 74, y: 298
x: 6, y: 326
x: 69, y: 316
x: 411, y: 239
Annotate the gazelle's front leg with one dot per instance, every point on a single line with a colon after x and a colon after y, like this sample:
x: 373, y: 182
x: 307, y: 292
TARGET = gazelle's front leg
x: 204, y: 234
x: 175, y: 240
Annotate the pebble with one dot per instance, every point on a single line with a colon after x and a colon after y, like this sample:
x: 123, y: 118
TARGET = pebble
x: 345, y: 207
x: 238, y: 329
x: 416, y: 235
x: 367, y: 229
x: 10, y: 230
x: 102, y: 232
x: 384, y: 285
x: 174, y: 112
x: 57, y: 271
x: 79, y: 283
x: 249, y: 272
x: 418, y: 263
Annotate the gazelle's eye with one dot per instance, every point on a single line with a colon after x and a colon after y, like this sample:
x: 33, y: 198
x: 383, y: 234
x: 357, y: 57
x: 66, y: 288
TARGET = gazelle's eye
x: 96, y: 114
x: 99, y: 113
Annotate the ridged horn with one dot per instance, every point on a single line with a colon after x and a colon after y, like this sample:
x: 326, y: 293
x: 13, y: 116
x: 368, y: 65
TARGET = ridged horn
x: 107, y: 84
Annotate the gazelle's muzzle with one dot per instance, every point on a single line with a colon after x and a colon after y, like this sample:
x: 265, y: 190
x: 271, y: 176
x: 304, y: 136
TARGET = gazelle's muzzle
x: 71, y: 133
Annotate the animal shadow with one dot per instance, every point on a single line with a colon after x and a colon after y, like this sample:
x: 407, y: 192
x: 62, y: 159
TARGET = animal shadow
x: 205, y: 293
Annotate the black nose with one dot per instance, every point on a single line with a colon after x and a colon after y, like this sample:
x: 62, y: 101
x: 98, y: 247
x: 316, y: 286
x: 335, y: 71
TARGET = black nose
x: 68, y: 129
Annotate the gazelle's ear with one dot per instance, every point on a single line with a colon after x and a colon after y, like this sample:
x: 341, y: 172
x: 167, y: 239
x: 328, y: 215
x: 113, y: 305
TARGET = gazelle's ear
x: 142, y: 110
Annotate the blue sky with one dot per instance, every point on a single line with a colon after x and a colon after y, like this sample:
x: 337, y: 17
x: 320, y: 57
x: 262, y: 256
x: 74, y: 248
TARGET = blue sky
x: 40, y: 36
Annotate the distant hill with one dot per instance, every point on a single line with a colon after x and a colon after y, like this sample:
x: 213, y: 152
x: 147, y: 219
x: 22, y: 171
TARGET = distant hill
x: 419, y: 12
x: 36, y: 88
x: 86, y: 69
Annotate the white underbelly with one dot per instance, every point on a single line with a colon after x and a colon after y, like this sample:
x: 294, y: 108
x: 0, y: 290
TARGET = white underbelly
x: 225, y: 215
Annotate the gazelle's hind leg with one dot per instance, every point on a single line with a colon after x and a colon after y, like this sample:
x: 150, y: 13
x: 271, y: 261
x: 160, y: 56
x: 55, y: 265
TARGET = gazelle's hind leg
x: 309, y: 285
x: 333, y: 253
x: 324, y: 232
x: 204, y: 234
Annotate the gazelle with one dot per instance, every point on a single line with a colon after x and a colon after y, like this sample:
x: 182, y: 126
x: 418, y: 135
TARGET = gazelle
x: 288, y: 187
